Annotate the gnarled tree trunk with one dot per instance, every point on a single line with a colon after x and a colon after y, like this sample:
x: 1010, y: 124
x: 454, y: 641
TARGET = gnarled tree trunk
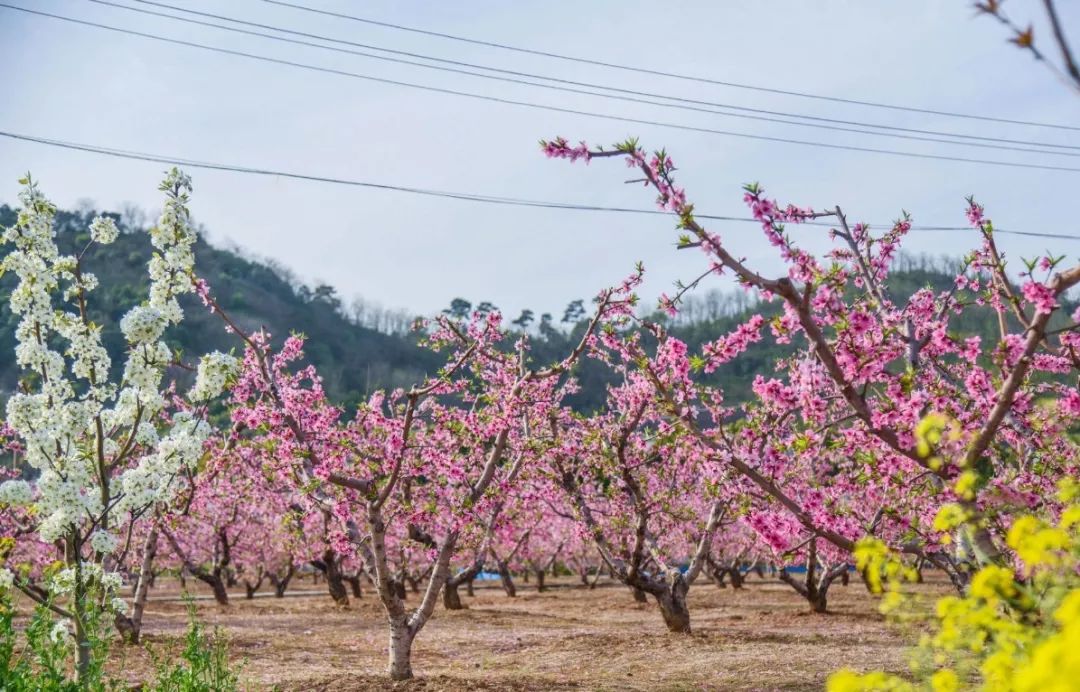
x: 354, y: 585
x: 815, y: 587
x: 721, y: 572
x: 540, y: 569
x: 451, y: 598
x: 217, y: 585
x: 672, y: 602
x: 330, y: 566
x: 507, y: 579
x: 252, y: 587
x: 281, y: 583
x: 215, y: 576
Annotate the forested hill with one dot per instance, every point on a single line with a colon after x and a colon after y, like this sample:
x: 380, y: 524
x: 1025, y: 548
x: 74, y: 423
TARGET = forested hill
x: 353, y: 357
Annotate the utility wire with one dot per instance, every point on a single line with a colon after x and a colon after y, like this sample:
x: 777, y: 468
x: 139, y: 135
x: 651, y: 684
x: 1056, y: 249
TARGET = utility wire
x: 679, y: 102
x: 527, y: 104
x: 428, y: 192
x: 673, y: 75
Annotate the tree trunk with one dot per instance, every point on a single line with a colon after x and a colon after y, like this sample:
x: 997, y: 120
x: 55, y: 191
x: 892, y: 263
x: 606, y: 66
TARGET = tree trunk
x: 451, y: 598
x: 717, y: 572
x: 336, y: 587
x: 132, y: 628
x: 672, y: 604
x: 737, y: 577
x: 354, y: 585
x: 469, y: 588
x: 83, y: 646
x: 335, y: 584
x: 401, y: 640
x: 250, y: 589
x: 540, y: 588
x: 815, y: 586
x: 124, y: 628
x: 507, y: 580
x: 217, y: 584
x: 595, y: 578
x: 639, y: 595
x: 281, y: 583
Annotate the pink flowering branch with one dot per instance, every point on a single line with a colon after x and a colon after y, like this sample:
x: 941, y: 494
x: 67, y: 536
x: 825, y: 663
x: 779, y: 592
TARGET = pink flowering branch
x: 868, y: 333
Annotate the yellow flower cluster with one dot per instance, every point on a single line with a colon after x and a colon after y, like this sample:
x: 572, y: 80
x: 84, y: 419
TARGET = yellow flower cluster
x: 1037, y: 543
x: 881, y: 567
x: 928, y: 435
x: 1010, y: 632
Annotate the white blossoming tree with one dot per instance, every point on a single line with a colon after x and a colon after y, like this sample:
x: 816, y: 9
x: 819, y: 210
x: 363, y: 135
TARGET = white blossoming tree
x: 105, y: 448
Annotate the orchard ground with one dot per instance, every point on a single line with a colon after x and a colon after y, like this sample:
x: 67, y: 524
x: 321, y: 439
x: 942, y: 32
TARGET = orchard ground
x: 760, y: 637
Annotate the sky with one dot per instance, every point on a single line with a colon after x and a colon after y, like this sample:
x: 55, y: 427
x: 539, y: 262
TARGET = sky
x: 92, y: 86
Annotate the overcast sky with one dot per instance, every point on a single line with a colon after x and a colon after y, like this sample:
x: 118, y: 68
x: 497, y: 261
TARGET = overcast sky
x: 92, y: 86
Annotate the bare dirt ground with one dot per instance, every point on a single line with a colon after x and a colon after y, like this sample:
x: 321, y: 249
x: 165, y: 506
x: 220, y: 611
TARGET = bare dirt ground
x: 568, y: 638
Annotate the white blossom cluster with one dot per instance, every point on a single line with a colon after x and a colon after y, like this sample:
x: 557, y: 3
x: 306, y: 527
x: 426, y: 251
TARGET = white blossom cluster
x: 103, y: 230
x: 99, y: 447
x: 143, y: 325
x: 61, y: 633
x: 173, y: 239
x: 103, y: 542
x: 15, y: 493
x: 152, y: 479
x: 64, y: 581
x: 7, y: 578
x: 215, y: 371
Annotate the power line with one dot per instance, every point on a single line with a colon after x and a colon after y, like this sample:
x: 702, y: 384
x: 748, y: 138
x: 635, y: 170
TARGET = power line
x: 673, y: 75
x: 429, y: 192
x: 546, y: 107
x: 679, y: 102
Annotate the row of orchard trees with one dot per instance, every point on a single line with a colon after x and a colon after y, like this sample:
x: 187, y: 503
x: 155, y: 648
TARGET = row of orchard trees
x: 885, y: 423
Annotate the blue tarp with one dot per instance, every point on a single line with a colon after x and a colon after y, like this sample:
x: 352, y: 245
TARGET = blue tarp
x: 485, y: 576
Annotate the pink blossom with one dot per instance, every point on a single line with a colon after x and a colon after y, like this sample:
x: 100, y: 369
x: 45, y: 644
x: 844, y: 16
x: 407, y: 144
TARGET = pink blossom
x: 1041, y: 296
